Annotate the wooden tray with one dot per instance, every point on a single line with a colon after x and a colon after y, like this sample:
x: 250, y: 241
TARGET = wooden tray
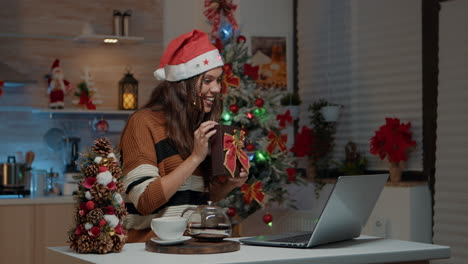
x: 194, y: 246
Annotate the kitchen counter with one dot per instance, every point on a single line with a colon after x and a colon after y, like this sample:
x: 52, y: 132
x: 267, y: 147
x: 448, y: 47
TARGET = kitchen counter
x: 64, y: 199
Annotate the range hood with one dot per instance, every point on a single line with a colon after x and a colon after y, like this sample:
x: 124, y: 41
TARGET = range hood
x: 12, y: 77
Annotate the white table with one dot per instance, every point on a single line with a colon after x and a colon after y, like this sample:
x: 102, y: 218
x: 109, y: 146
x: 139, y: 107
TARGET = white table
x: 361, y: 250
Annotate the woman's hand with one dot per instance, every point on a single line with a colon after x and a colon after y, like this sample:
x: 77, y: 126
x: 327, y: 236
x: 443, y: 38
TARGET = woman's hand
x: 219, y: 189
x: 201, y: 137
x: 238, y: 181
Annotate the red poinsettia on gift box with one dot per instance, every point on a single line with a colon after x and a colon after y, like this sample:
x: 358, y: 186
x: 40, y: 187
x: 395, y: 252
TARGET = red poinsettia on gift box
x: 392, y: 140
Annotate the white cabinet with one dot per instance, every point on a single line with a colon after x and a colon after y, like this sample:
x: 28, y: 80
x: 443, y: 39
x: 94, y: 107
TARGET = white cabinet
x: 404, y: 213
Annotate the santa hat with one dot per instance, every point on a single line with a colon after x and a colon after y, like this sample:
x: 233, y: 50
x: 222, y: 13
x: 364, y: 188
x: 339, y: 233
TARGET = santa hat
x: 56, y: 64
x: 188, y: 55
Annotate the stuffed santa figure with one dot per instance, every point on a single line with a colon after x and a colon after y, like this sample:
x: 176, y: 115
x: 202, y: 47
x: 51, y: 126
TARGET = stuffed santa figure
x: 58, y: 86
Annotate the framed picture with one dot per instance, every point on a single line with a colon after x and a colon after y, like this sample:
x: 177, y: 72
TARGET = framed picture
x: 270, y: 54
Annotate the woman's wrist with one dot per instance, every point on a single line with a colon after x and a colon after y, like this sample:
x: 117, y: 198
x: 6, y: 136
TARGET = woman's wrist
x: 194, y: 160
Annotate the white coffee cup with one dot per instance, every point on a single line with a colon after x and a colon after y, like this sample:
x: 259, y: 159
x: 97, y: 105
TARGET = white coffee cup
x: 169, y: 228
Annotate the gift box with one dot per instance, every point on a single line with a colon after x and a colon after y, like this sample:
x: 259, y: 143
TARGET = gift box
x: 227, y: 152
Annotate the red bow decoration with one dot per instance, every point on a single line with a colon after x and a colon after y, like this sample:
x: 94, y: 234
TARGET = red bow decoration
x: 284, y: 118
x: 233, y: 145
x: 85, y: 100
x: 229, y: 79
x: 276, y: 140
x: 214, y: 11
x: 254, y: 191
x: 251, y: 71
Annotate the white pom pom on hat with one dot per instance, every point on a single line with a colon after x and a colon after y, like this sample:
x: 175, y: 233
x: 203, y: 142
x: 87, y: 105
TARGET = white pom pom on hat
x: 188, y: 55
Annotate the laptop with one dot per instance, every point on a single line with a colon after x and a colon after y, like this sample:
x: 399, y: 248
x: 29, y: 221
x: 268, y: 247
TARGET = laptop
x: 345, y: 213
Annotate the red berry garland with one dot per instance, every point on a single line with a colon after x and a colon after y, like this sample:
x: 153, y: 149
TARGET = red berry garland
x: 267, y: 218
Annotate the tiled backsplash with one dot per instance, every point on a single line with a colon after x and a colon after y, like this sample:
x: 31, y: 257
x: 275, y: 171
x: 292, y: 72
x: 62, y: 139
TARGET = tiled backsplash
x: 24, y: 131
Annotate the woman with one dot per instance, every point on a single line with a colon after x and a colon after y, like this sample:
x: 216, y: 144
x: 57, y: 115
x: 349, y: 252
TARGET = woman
x: 164, y: 144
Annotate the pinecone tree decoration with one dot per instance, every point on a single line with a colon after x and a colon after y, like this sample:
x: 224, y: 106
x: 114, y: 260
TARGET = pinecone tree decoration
x: 102, y: 147
x: 100, y: 209
x: 91, y: 171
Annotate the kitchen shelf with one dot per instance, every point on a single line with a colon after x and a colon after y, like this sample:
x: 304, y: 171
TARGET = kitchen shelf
x: 101, y: 38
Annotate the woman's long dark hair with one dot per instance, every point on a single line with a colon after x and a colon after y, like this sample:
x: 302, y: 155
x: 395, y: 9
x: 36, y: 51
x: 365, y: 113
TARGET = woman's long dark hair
x: 183, y: 109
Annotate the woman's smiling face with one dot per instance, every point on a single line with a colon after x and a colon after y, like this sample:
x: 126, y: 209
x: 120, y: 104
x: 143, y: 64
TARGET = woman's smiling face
x: 210, y: 87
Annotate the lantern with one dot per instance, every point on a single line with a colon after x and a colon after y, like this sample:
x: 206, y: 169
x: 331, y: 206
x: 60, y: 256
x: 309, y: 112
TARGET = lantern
x: 128, y: 92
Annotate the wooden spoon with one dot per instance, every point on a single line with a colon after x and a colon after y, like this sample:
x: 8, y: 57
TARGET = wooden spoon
x: 29, y: 158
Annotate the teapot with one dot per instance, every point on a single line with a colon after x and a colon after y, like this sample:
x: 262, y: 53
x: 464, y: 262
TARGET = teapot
x: 208, y: 223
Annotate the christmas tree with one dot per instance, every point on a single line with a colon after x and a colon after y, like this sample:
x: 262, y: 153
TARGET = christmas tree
x: 258, y: 113
x: 100, y: 208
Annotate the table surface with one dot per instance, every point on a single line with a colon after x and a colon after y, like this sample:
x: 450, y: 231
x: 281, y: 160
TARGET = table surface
x: 364, y: 249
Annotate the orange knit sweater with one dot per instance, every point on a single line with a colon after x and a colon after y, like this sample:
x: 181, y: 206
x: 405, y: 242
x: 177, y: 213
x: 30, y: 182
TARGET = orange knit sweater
x: 147, y: 156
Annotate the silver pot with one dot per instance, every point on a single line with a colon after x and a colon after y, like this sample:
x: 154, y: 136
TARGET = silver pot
x: 11, y: 173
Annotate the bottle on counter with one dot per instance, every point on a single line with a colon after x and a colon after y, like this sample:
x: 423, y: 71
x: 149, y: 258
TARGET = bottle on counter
x: 38, y: 182
x: 51, y: 184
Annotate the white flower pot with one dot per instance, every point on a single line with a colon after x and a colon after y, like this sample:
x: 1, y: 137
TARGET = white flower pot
x: 330, y: 112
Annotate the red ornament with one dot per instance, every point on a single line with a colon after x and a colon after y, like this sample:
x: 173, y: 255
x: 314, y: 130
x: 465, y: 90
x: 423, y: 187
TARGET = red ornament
x: 231, y: 212
x: 101, y: 126
x: 249, y: 115
x: 110, y: 210
x: 103, y: 222
x: 111, y: 185
x: 89, y: 182
x: 94, y: 231
x: 234, y: 108
x: 79, y: 230
x: 259, y: 102
x: 250, y: 147
x: 267, y: 218
x: 90, y: 205
x: 241, y: 39
x: 244, y: 130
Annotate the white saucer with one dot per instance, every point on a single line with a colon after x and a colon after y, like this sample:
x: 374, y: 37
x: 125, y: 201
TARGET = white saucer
x: 170, y: 242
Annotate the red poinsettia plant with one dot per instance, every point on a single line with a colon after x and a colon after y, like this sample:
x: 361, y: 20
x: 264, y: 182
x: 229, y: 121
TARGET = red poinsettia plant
x: 392, y: 141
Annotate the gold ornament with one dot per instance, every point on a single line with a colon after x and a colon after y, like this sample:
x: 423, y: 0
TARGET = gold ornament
x: 106, y: 161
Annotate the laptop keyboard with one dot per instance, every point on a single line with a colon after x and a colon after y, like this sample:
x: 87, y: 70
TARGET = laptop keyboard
x: 304, y: 238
